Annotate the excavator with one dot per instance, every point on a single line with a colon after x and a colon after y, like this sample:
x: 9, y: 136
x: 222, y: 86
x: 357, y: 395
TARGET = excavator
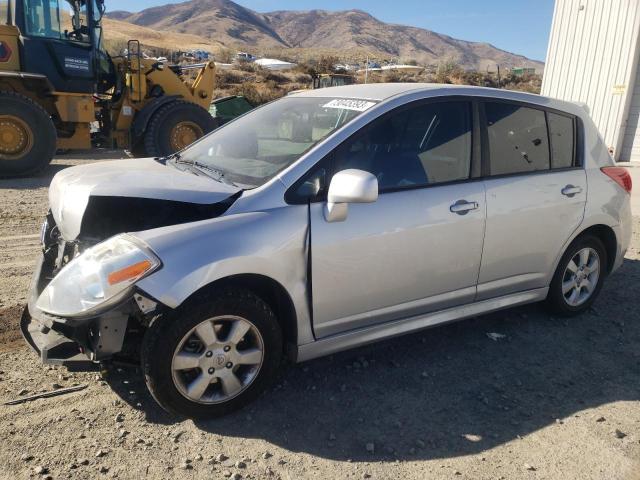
x: 61, y: 90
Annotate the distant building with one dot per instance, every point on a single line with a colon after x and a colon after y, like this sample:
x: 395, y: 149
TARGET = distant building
x: 274, y: 64
x: 593, y: 58
x: 403, y: 68
x: 346, y: 67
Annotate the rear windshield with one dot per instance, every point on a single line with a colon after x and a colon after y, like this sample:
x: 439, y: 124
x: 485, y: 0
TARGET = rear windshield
x: 253, y: 149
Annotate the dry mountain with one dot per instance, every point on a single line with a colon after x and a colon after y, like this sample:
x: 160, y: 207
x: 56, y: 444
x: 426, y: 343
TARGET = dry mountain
x: 218, y: 20
x: 234, y: 25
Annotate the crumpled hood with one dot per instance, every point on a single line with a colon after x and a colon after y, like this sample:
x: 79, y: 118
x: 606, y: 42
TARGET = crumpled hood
x: 71, y: 189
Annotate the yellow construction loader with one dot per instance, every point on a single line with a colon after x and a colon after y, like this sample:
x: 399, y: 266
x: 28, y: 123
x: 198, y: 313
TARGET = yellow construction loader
x: 60, y: 89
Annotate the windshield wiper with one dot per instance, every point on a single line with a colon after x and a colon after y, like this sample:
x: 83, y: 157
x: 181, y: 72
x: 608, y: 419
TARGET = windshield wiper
x: 218, y: 175
x: 164, y: 160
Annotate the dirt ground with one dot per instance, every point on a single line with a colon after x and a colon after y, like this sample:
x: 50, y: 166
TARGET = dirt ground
x: 554, y: 399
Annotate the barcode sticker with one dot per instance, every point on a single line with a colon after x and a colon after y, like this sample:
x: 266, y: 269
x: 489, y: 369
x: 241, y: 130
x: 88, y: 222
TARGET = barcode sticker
x: 349, y: 104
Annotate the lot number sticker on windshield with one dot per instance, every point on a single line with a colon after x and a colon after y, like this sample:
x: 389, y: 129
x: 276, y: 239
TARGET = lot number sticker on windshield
x: 347, y: 104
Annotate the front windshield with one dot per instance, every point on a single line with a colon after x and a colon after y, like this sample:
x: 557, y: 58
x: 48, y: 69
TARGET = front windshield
x: 60, y: 19
x: 97, y: 9
x: 253, y: 149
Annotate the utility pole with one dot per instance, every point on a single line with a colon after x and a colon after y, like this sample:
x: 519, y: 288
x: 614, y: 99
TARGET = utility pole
x: 366, y: 71
x: 499, y: 82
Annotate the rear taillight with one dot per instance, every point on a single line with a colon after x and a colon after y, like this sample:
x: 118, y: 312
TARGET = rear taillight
x: 620, y: 175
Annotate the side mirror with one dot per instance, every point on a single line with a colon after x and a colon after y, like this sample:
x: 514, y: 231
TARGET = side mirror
x: 349, y: 186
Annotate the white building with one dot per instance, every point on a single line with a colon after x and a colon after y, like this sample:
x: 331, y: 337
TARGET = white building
x: 593, y: 58
x: 274, y: 64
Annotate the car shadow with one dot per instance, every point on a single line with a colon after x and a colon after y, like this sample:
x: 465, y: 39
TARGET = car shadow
x: 447, y: 391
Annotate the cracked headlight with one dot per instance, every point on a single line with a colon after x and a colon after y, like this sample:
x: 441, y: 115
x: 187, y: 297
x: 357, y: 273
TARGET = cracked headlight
x: 101, y: 276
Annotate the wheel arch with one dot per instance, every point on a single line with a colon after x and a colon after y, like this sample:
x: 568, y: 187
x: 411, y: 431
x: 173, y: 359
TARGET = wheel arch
x: 605, y: 233
x: 269, y: 290
x: 608, y: 237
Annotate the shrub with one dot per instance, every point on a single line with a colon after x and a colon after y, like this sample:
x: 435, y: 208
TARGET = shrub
x: 326, y: 64
x: 226, y: 77
x: 276, y: 77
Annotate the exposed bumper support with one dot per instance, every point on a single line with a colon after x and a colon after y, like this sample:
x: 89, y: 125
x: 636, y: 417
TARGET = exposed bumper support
x: 77, y: 343
x: 53, y: 347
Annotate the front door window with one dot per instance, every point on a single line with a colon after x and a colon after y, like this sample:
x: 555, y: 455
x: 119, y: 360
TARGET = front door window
x: 423, y: 145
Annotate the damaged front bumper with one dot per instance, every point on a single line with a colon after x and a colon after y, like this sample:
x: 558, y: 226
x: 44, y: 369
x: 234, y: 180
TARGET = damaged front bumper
x: 78, y: 343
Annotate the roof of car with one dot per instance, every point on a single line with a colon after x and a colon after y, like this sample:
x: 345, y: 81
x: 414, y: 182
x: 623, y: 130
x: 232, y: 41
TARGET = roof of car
x: 368, y: 91
x: 384, y: 91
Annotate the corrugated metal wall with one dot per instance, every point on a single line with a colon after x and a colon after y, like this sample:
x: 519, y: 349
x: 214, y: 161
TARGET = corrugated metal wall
x: 631, y: 142
x: 592, y: 58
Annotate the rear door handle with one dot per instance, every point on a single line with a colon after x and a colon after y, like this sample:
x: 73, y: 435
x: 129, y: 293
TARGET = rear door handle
x: 570, y: 190
x: 462, y: 207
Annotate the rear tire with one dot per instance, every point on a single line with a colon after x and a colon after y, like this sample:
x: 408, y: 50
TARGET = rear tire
x: 27, y: 136
x: 201, y: 390
x: 175, y: 126
x: 579, y: 277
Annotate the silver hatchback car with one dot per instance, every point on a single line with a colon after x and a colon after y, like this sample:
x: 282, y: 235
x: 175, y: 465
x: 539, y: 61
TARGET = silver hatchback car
x: 328, y: 219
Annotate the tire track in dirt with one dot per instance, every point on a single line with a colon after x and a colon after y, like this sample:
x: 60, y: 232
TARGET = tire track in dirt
x: 18, y: 254
x: 10, y: 335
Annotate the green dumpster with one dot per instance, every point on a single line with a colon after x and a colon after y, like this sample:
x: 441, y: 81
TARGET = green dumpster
x: 228, y: 108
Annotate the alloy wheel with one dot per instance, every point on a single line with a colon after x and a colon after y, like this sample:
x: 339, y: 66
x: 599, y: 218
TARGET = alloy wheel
x: 581, y: 276
x: 217, y: 359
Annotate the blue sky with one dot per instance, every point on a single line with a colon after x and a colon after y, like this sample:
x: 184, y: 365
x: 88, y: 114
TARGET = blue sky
x: 519, y: 26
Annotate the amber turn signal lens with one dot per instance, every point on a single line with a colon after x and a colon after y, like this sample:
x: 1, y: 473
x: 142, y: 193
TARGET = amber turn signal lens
x: 127, y: 273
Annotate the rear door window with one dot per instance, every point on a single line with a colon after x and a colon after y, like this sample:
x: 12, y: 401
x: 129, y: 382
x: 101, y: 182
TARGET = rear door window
x: 562, y: 133
x: 518, y: 138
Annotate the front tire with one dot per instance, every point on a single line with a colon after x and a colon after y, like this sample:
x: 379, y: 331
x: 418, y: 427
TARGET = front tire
x: 579, y: 277
x: 212, y: 355
x: 175, y: 126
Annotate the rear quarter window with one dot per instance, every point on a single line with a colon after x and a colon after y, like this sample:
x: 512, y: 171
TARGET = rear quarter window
x: 562, y: 135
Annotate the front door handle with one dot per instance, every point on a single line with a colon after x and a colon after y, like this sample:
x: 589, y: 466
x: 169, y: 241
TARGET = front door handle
x: 570, y: 190
x: 462, y: 207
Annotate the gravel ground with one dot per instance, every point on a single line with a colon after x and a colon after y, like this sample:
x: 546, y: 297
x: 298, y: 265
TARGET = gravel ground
x: 553, y: 399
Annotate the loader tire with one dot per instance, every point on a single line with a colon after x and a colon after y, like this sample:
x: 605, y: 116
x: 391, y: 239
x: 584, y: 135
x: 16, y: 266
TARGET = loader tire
x: 175, y: 126
x: 27, y: 136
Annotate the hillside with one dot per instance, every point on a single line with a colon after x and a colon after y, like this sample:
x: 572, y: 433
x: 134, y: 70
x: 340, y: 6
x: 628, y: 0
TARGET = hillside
x: 238, y: 27
x: 358, y: 29
x: 119, y: 32
x: 217, y: 20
